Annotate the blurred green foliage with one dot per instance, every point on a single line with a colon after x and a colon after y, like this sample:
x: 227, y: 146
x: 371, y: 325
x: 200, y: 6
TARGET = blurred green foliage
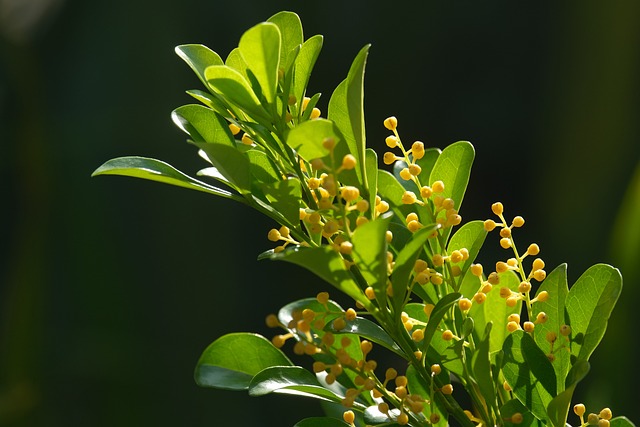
x: 96, y: 329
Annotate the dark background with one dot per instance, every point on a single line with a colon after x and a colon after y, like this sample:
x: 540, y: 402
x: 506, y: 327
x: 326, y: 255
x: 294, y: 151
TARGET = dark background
x: 110, y: 288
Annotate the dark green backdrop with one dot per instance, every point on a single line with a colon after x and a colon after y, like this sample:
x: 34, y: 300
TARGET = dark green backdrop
x: 110, y: 287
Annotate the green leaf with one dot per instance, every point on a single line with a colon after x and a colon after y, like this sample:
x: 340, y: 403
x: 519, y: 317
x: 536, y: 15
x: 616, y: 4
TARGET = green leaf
x: 417, y: 387
x: 371, y: 167
x: 230, y: 162
x: 589, y: 305
x: 236, y: 89
x: 156, y: 170
x: 370, y: 254
x: 346, y: 109
x: 515, y: 406
x: 260, y: 48
x: 202, y: 124
x: 328, y: 265
x: 198, y: 57
x: 428, y: 161
x: 470, y: 236
x: 304, y: 63
x: 371, y: 331
x: 481, y: 362
x: 262, y: 168
x: 529, y: 373
x: 558, y: 409
x: 285, y: 196
x: 404, y: 263
x: 438, y: 313
x: 556, y: 286
x: 495, y: 310
x: 232, y: 360
x: 290, y: 380
x: 237, y: 62
x: 321, y: 422
x: 290, y: 32
x: 212, y: 101
x: 453, y: 167
x: 621, y: 422
x: 307, y: 138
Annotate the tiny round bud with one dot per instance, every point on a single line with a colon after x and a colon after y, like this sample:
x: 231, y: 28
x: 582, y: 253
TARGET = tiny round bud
x: 349, y: 417
x: 476, y: 270
x: 543, y: 296
x: 390, y: 374
x: 246, y: 139
x: 579, y: 409
x: 447, y: 389
x: 501, y: 266
x: 506, y: 386
x: 505, y: 232
x: 322, y: 297
x: 505, y: 243
x: 272, y: 321
x: 315, y: 113
x: 539, y: 275
x: 426, y: 192
x: 464, y: 304
x: 438, y: 187
x: 606, y: 414
x: 489, y: 225
x: 401, y: 392
x: 348, y: 162
x: 497, y: 208
x: 512, y: 326
x: 541, y: 317
x: 436, y: 369
x: 456, y: 256
x: 405, y: 174
x: 533, y: 249
x: 402, y: 419
x: 391, y: 123
x: 551, y: 337
x: 346, y: 248
x: 388, y: 158
x: 514, y: 317
x: 350, y: 314
x: 391, y: 141
x: 339, y: 324
x: 417, y: 335
x: 480, y: 297
x: 417, y: 150
x: 593, y: 418
x: 603, y: 423
x: 524, y: 287
x: 538, y: 264
x: 274, y: 235
x: 512, y: 301
x: 518, y: 221
x: 409, y: 198
x: 447, y: 335
x: 401, y: 381
x: 415, y: 169
x: 434, y: 418
x: 383, y: 407
x: 529, y: 327
x: 516, y: 418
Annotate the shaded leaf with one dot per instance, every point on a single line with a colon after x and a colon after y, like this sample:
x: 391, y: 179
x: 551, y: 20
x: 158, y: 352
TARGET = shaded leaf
x: 371, y: 331
x: 290, y: 380
x: 304, y: 63
x: 284, y: 196
x: 470, y: 236
x: 307, y: 138
x: 558, y: 408
x: 453, y: 167
x: 529, y: 373
x: 198, y: 57
x: 231, y: 361
x: 230, y: 162
x: 370, y: 254
x: 236, y: 89
x: 202, y: 124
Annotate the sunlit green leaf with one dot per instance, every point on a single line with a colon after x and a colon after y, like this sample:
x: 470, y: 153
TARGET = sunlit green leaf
x: 289, y: 380
x: 470, y: 236
x: 453, y: 167
x: 284, y: 196
x: 156, y: 170
x: 371, y: 168
x: 304, y: 63
x: 558, y: 408
x: 231, y: 361
x: 529, y: 373
x: 371, y: 331
x: 589, y: 305
x: 260, y: 47
x: 346, y: 109
x: 417, y: 387
x: 556, y: 286
x: 202, y: 124
x: 481, y: 363
x: 198, y: 57
x: 621, y: 422
x: 236, y: 89
x: 516, y: 407
x: 230, y: 162
x: 307, y: 138
x: 290, y: 33
x: 370, y: 254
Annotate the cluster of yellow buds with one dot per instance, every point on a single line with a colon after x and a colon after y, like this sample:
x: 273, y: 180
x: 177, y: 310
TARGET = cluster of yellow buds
x: 486, y: 285
x: 601, y: 419
x: 282, y: 234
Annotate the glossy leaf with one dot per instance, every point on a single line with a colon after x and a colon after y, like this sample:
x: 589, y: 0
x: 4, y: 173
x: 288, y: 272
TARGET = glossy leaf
x: 496, y: 311
x: 304, y: 63
x: 428, y: 161
x: 621, y: 422
x: 404, y: 263
x: 260, y: 47
x: 307, y: 138
x: 370, y: 254
x: 470, y: 236
x: 417, y: 387
x: 290, y: 32
x: 529, y: 373
x: 515, y: 406
x: 589, y: 305
x: 156, y: 170
x: 231, y: 361
x: 198, y: 57
x: 439, y: 311
x: 328, y: 265
x: 453, y: 167
x: 556, y: 286
x: 203, y: 125
x: 230, y: 162
x: 321, y: 422
x: 371, y: 168
x: 235, y: 88
x: 370, y: 331
x: 284, y: 196
x: 346, y: 109
x: 558, y: 408
x: 237, y: 62
x: 481, y: 362
x: 290, y: 380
